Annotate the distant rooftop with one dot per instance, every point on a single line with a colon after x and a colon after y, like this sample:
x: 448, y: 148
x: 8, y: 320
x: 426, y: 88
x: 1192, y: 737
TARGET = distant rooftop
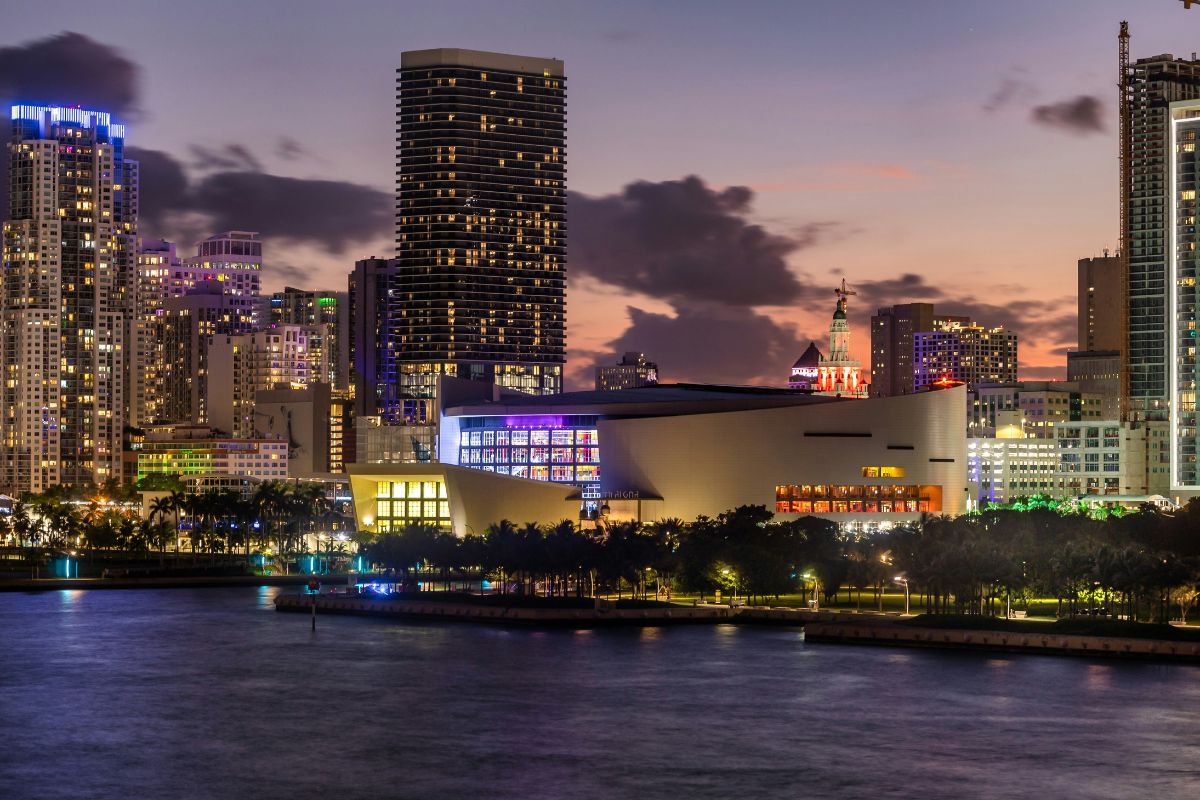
x: 481, y: 59
x: 689, y: 398
x: 811, y: 358
x: 53, y: 115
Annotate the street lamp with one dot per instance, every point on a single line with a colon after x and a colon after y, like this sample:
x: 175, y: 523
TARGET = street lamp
x: 903, y: 582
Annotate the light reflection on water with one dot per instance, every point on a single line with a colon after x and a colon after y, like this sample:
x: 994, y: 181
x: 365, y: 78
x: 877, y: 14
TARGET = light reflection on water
x: 210, y: 693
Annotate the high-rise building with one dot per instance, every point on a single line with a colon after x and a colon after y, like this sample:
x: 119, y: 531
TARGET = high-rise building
x: 968, y: 354
x: 156, y: 261
x: 892, y: 332
x: 239, y: 366
x: 373, y: 307
x: 633, y: 370
x: 69, y: 255
x: 1151, y: 86
x: 327, y: 317
x: 1184, y: 264
x: 1101, y: 303
x: 184, y: 329
x: 480, y: 220
x: 180, y: 305
x: 232, y: 261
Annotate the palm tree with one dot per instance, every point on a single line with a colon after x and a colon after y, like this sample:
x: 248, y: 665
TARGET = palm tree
x: 160, y: 508
x: 270, y: 501
x: 22, y: 525
x: 179, y: 503
x: 499, y: 542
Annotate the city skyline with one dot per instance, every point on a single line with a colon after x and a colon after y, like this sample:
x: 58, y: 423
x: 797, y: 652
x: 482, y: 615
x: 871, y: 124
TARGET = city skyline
x: 902, y: 218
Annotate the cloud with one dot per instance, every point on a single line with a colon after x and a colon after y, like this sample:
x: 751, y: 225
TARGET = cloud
x: 290, y: 274
x: 684, y: 241
x: 289, y: 149
x: 66, y: 69
x: 620, y: 35
x: 1083, y: 114
x: 230, y: 156
x: 711, y: 343
x: 234, y: 193
x: 331, y: 214
x: 1011, y: 91
x: 70, y: 69
x: 1040, y: 321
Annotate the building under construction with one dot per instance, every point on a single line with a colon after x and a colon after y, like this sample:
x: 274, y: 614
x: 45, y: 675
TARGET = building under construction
x: 1147, y: 87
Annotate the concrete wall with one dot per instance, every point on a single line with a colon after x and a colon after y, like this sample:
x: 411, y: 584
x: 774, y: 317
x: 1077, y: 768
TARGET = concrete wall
x: 709, y: 463
x: 301, y: 417
x: 477, y: 498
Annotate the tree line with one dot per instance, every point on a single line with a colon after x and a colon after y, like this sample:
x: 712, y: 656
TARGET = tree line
x: 1143, y: 564
x: 218, y: 524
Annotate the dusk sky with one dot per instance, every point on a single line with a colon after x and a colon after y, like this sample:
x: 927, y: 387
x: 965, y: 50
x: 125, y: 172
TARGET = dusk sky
x: 958, y: 152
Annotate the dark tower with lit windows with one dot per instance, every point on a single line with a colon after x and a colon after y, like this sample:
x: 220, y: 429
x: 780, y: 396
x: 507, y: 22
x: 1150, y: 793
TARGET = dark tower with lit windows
x: 480, y: 221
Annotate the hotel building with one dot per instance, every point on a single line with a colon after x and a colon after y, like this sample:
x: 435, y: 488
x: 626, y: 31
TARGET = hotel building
x: 892, y: 330
x: 195, y: 452
x: 969, y: 354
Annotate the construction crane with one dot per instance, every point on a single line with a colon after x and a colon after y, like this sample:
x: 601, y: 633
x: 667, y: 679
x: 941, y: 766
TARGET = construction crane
x: 1124, y: 137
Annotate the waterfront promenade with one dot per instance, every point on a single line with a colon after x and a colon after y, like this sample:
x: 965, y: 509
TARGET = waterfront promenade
x: 834, y: 627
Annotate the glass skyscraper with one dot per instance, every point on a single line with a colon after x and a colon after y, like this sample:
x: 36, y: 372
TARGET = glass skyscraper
x: 1184, y: 180
x: 1154, y: 83
x: 480, y: 221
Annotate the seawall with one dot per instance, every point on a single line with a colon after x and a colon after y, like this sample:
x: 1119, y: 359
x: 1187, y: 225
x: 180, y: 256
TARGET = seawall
x: 832, y: 627
x: 1044, y: 642
x: 503, y: 615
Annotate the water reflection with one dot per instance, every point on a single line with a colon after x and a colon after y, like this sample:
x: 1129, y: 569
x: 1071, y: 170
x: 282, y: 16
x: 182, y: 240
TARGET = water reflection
x: 202, y: 694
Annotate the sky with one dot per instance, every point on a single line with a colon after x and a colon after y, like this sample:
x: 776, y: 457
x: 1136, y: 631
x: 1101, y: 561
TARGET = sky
x: 728, y: 163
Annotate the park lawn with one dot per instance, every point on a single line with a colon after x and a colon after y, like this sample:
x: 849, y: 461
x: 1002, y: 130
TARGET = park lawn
x: 892, y: 602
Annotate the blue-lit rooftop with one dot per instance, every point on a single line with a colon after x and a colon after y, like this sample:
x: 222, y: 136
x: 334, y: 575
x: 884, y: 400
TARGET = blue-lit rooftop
x: 53, y: 115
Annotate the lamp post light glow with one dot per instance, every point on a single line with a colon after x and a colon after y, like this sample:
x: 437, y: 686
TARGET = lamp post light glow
x: 808, y: 576
x: 903, y: 582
